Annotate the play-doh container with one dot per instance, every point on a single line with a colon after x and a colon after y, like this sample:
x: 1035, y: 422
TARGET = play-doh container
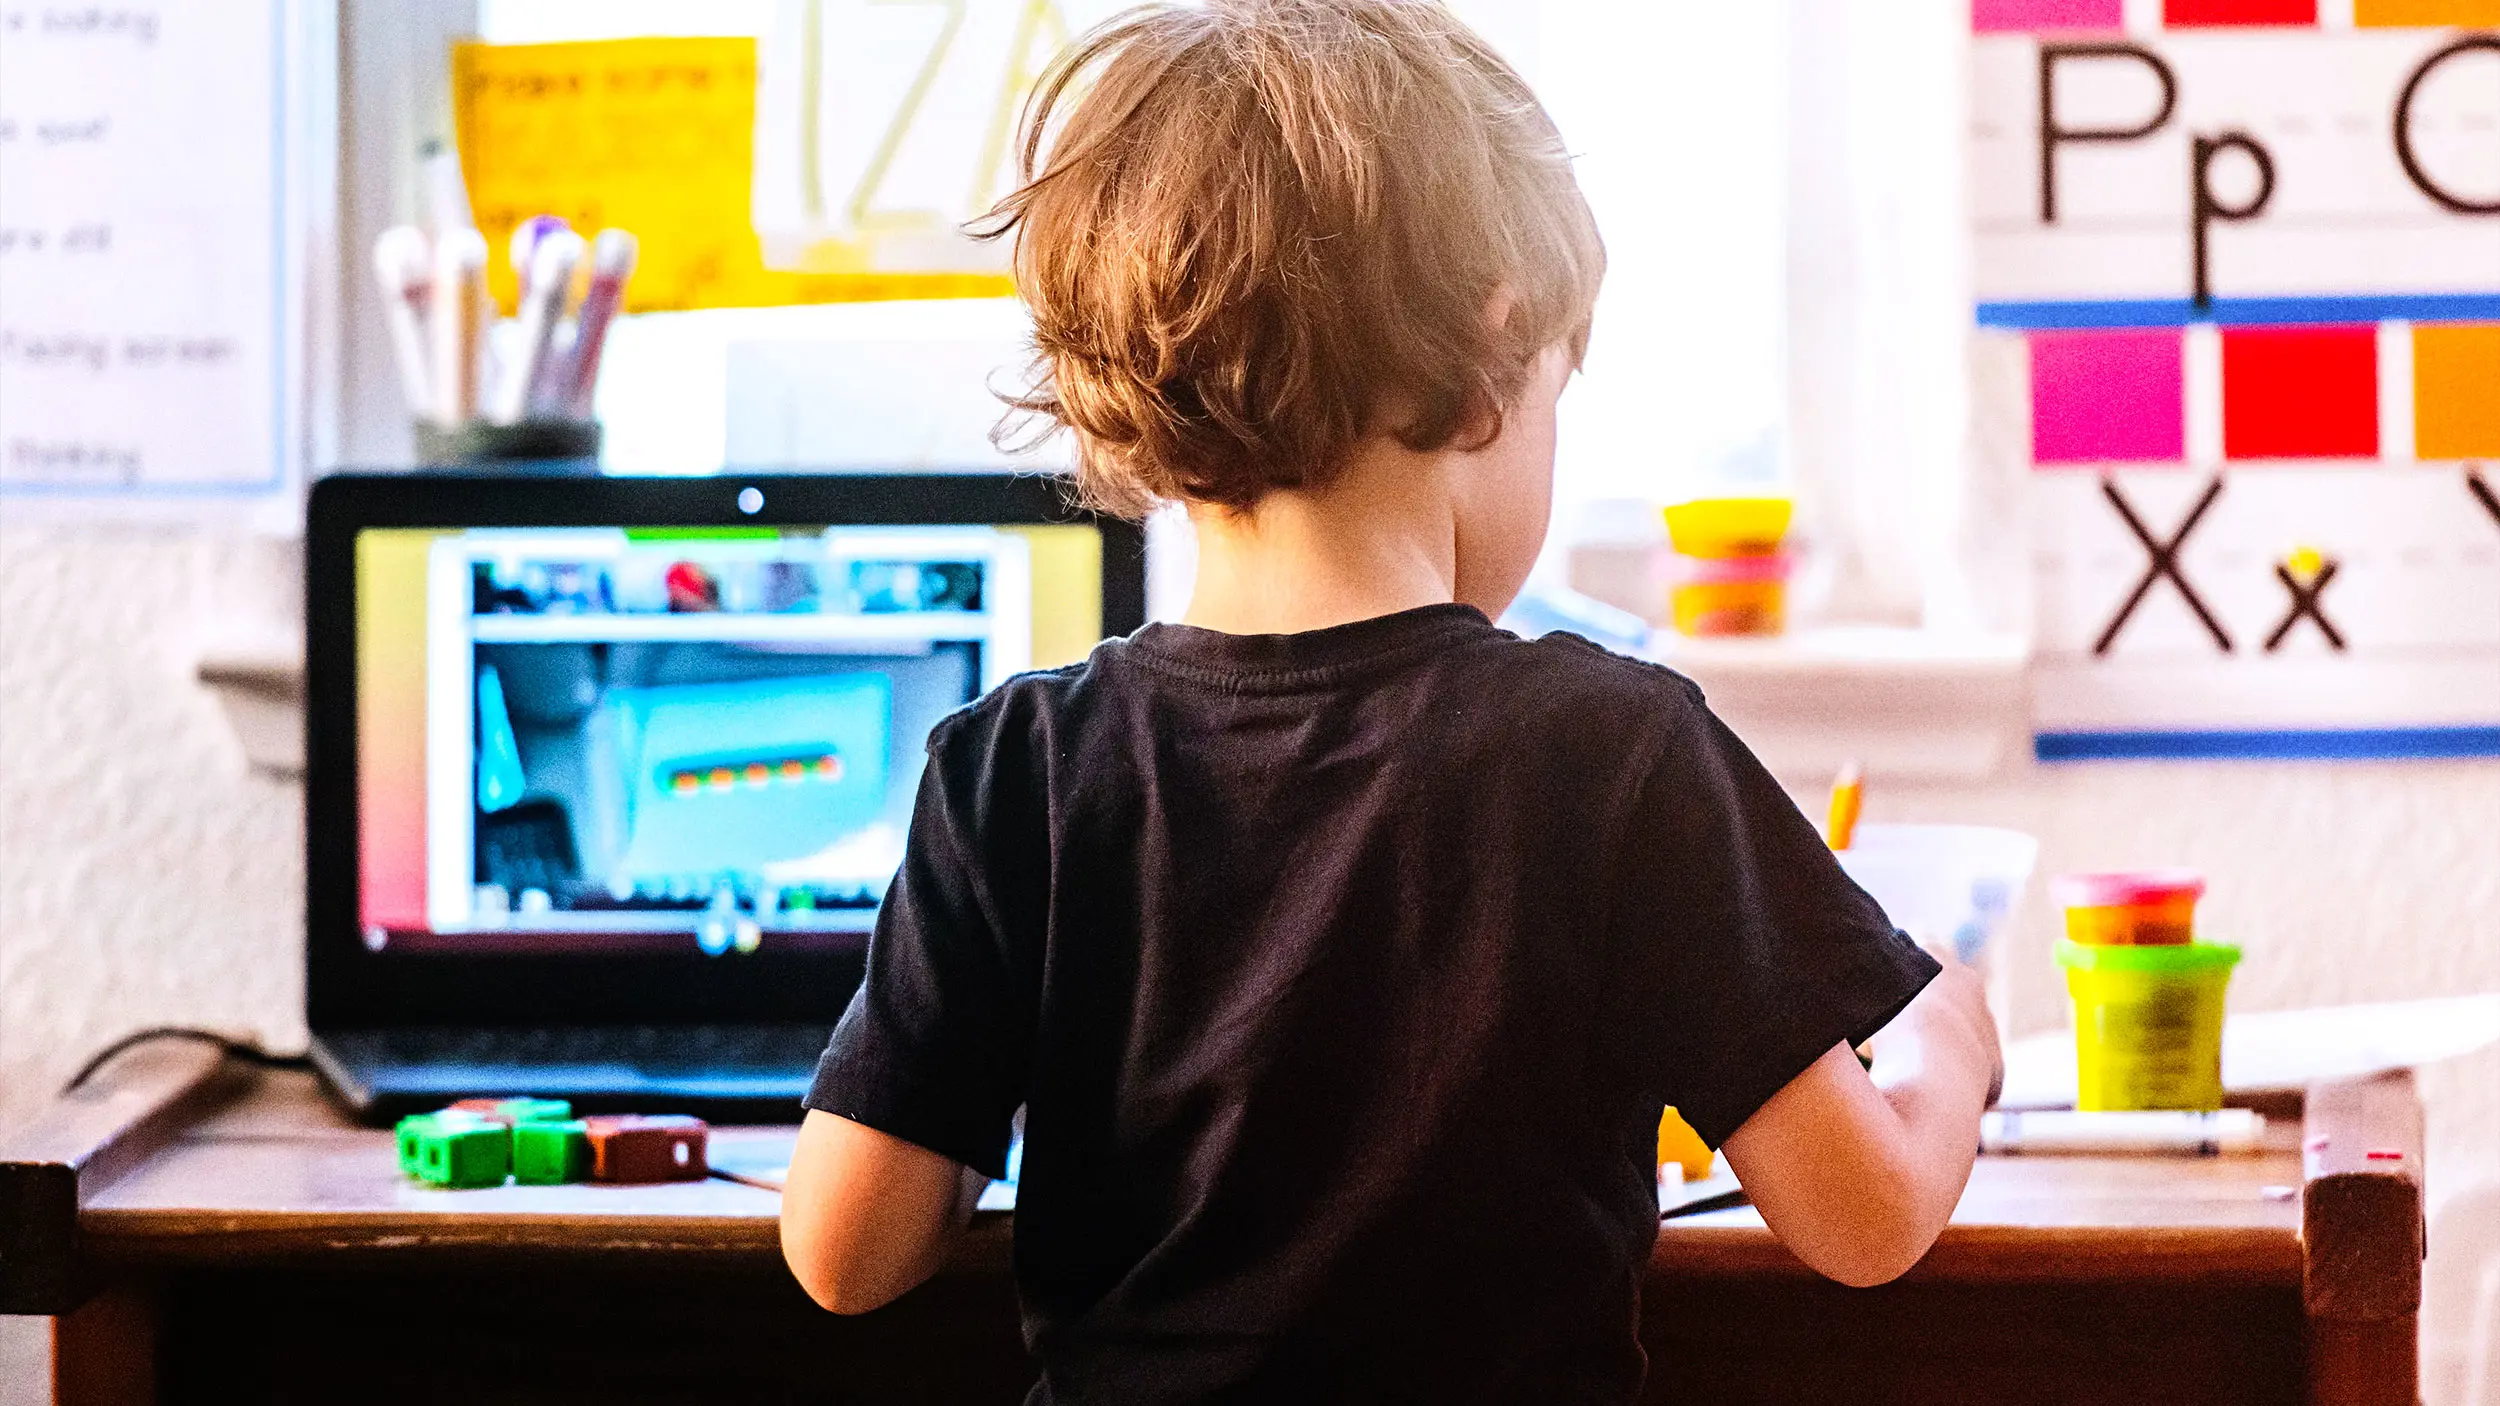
x: 2148, y: 1023
x: 1730, y: 595
x: 1728, y: 527
x: 2149, y: 908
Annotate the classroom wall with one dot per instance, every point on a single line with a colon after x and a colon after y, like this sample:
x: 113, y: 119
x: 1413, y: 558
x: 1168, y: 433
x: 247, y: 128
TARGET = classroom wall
x: 145, y: 874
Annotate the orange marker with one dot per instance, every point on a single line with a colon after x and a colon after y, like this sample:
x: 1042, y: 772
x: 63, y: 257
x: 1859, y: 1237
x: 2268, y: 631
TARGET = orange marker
x: 1848, y: 795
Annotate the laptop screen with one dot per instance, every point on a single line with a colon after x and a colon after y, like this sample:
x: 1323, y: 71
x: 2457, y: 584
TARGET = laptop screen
x: 659, y: 740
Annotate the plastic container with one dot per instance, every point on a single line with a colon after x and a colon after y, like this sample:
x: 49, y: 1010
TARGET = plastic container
x: 1728, y: 527
x: 2148, y: 1023
x: 1943, y: 884
x: 2149, y: 908
x: 1719, y: 596
x: 1681, y: 1148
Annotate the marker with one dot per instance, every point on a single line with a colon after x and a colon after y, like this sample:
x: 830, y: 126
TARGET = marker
x: 542, y: 303
x: 403, y: 267
x: 1848, y: 796
x: 458, y: 299
x: 611, y: 264
x: 2229, y: 1132
x: 524, y: 245
x: 446, y: 193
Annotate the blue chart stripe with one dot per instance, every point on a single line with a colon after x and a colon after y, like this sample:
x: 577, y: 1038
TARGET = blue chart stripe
x: 2179, y: 312
x: 2358, y: 744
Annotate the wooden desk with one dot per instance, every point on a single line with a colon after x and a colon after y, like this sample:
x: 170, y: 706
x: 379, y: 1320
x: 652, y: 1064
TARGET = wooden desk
x: 231, y: 1238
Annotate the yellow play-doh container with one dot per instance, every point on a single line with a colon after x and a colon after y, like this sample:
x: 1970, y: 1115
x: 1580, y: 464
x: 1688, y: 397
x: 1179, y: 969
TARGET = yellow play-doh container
x: 2149, y: 908
x: 1717, y: 596
x: 2148, y: 1023
x: 1728, y: 527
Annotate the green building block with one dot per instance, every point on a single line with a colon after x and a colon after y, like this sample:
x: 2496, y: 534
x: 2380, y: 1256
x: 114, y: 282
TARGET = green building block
x: 550, y: 1153
x: 515, y: 1110
x: 413, y: 1129
x: 455, y: 1150
x: 411, y: 1134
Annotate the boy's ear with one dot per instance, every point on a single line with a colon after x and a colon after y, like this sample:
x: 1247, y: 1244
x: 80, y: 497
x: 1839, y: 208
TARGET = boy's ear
x: 1483, y: 422
x: 1499, y: 307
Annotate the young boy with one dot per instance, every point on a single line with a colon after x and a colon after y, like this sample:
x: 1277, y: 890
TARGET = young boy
x: 1341, y: 948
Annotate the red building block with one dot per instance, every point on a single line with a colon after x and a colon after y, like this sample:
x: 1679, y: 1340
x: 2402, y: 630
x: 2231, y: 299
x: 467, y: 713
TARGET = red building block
x: 2300, y: 392
x: 2194, y: 14
x: 635, y: 1148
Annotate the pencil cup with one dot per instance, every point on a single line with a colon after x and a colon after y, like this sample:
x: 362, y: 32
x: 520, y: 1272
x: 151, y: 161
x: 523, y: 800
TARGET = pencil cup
x: 2148, y: 1024
x: 566, y: 443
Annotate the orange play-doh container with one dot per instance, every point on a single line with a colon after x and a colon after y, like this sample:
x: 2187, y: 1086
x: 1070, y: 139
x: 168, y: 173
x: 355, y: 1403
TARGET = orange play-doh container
x: 1730, y: 595
x: 2145, y: 908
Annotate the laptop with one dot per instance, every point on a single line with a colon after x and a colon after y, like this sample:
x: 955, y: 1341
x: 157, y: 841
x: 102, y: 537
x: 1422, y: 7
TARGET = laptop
x: 606, y: 777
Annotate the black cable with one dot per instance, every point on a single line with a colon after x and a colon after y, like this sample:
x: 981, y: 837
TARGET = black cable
x: 233, y: 1048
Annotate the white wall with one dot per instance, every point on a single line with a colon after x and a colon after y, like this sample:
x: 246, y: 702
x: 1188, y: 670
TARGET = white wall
x: 145, y: 875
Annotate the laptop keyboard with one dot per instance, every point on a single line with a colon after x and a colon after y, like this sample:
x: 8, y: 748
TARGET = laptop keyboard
x: 746, y: 1072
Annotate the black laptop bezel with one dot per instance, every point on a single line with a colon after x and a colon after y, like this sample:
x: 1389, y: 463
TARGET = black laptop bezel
x: 349, y: 987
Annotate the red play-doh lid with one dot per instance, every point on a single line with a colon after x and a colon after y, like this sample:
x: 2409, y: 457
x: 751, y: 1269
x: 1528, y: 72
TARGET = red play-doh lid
x: 2127, y: 889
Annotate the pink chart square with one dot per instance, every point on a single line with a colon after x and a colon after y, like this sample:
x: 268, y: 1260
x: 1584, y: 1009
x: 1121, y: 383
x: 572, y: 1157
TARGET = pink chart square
x: 2026, y: 16
x: 2104, y: 396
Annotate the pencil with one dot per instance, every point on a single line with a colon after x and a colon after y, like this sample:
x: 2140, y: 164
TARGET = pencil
x: 1848, y: 794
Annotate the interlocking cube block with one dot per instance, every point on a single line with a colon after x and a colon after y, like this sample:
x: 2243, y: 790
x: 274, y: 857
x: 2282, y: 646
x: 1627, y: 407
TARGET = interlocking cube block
x: 413, y: 1130
x: 455, y: 1149
x: 636, y: 1148
x: 546, y: 1153
x: 515, y: 1110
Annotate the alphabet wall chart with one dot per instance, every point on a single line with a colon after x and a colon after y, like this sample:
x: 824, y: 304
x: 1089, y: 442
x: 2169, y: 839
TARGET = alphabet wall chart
x: 2237, y: 268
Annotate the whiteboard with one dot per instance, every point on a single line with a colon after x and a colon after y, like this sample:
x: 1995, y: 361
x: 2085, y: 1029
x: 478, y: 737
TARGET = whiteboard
x: 144, y: 252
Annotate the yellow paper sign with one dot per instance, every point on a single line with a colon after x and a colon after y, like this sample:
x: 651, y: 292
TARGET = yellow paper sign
x: 656, y: 136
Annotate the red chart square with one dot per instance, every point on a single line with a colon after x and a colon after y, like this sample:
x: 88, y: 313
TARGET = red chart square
x: 2191, y: 14
x: 2300, y: 392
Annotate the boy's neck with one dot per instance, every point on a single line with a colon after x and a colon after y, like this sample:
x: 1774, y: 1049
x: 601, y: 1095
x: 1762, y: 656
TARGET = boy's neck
x: 1373, y: 542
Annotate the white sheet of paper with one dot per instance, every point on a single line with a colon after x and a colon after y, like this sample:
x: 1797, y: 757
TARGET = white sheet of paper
x: 143, y: 253
x: 2270, y: 1050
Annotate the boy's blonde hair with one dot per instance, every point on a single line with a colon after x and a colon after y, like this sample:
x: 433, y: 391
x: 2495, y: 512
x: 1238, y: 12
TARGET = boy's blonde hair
x: 1254, y: 232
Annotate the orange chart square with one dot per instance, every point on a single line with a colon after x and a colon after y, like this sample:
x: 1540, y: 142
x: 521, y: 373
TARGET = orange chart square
x: 2456, y: 390
x: 2390, y: 14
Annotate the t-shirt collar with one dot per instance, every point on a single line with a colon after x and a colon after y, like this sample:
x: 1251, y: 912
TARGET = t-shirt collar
x: 1310, y: 656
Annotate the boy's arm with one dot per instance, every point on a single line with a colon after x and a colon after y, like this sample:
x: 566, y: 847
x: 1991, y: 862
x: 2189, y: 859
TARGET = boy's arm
x: 1856, y: 1174
x: 866, y: 1216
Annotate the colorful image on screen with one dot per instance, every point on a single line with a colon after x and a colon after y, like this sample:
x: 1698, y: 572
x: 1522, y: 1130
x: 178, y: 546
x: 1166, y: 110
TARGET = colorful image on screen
x: 613, y: 739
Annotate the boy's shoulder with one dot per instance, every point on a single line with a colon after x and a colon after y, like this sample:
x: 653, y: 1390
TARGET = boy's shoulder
x: 1564, y: 656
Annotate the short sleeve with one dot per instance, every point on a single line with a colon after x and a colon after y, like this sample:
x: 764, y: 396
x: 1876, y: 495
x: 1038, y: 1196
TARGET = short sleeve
x: 933, y: 1046
x: 1747, y: 953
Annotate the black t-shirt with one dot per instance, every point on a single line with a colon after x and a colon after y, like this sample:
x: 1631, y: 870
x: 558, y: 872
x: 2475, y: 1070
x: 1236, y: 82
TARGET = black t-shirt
x: 1343, y: 976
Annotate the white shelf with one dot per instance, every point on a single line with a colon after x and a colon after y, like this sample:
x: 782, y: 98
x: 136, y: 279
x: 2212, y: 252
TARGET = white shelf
x: 259, y: 679
x: 1904, y: 703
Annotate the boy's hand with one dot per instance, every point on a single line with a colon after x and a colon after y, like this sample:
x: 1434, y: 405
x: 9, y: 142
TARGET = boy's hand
x: 1858, y: 1175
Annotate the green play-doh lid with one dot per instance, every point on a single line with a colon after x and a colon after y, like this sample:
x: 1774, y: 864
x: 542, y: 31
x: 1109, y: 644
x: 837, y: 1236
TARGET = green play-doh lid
x: 2182, y: 958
